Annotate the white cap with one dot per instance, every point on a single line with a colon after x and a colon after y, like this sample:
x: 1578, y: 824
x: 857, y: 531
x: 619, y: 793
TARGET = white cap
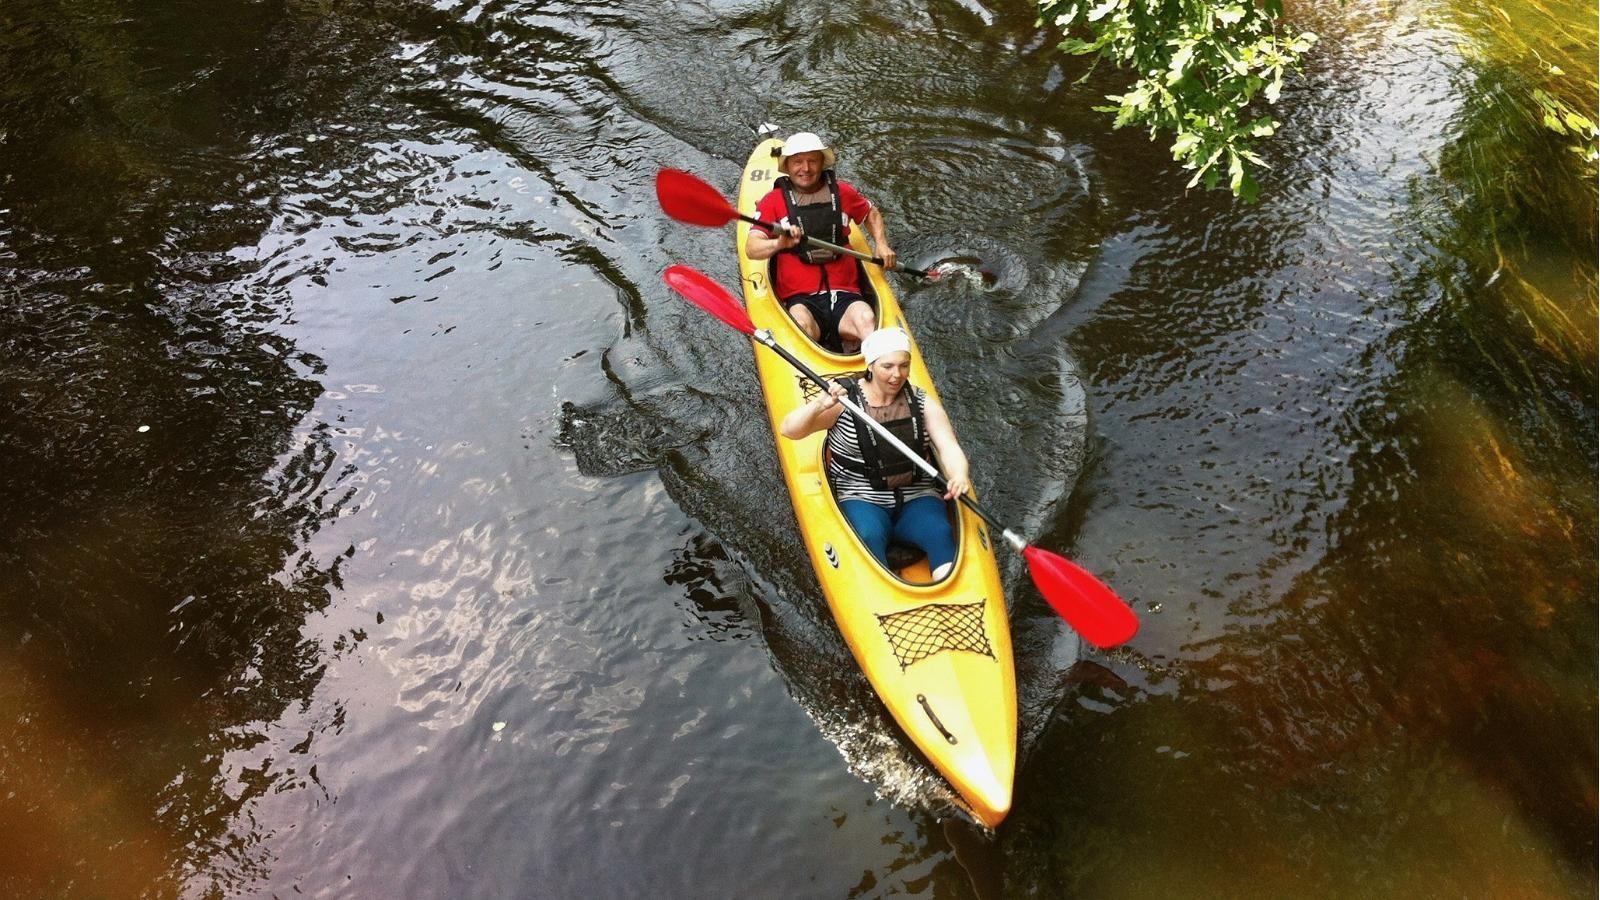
x: 884, y: 341
x: 805, y: 142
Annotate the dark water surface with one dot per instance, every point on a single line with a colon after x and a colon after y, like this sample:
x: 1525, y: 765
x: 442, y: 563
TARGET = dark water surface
x: 376, y: 525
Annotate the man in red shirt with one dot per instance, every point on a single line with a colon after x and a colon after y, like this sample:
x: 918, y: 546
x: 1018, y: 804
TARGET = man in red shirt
x: 821, y: 290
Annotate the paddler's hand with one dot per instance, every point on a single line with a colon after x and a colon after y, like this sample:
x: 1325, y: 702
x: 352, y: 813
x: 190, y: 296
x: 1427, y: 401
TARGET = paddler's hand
x: 889, y: 257
x: 790, y: 237
x: 825, y: 402
x: 958, y: 485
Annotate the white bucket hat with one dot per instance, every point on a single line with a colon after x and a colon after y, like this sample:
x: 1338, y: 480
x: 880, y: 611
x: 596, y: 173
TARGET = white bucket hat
x: 805, y: 142
x: 883, y: 342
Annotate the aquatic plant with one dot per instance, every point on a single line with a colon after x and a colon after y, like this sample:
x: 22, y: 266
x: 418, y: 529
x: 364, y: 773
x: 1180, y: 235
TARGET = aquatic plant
x: 1537, y: 65
x: 1515, y: 208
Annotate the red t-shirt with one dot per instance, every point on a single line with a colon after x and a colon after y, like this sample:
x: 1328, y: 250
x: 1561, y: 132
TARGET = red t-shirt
x: 795, y: 276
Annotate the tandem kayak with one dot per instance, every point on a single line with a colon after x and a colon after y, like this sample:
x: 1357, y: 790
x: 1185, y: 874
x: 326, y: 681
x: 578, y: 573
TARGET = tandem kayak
x: 937, y: 654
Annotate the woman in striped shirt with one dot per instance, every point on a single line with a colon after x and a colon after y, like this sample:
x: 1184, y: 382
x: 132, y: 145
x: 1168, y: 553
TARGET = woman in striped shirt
x: 883, y: 494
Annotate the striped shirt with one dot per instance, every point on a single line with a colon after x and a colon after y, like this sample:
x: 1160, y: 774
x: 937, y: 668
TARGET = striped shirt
x: 848, y: 485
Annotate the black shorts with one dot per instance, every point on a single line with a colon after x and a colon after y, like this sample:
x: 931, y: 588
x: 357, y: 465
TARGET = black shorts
x: 827, y: 307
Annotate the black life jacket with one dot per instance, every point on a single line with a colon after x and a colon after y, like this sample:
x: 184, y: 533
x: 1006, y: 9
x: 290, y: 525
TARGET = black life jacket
x: 823, y: 221
x: 882, y: 465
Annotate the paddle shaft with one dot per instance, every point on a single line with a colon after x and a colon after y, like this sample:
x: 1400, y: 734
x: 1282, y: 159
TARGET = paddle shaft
x: 774, y: 228
x: 765, y: 338
x: 689, y: 198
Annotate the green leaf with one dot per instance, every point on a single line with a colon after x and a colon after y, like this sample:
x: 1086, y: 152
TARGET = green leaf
x: 1180, y: 61
x: 1103, y: 10
x: 1185, y: 145
x: 1247, y: 189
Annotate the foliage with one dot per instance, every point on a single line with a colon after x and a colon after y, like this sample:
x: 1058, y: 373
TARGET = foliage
x: 1199, y: 66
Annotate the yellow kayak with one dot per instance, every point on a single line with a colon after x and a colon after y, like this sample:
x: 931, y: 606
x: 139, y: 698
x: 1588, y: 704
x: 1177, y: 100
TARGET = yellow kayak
x: 939, y: 655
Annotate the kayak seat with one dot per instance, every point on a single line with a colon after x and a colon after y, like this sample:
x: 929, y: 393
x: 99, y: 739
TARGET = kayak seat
x: 903, y: 556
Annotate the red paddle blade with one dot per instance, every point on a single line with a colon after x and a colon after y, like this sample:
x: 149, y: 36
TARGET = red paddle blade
x: 688, y: 199
x: 1091, y: 608
x: 699, y: 289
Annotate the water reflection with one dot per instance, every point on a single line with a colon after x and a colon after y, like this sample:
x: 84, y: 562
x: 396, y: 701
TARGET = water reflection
x: 433, y: 571
x: 979, y: 856
x: 1360, y: 493
x: 1421, y: 697
x: 715, y: 586
x: 158, y: 498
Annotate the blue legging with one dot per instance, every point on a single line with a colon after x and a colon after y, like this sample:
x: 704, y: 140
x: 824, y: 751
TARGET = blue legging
x: 921, y: 522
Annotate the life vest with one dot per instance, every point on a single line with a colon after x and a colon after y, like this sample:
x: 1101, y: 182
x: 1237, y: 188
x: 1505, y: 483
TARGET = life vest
x: 882, y: 465
x: 823, y: 221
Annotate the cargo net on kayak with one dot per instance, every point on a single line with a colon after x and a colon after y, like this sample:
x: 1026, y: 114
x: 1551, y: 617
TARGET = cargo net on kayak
x: 917, y: 634
x: 809, y: 389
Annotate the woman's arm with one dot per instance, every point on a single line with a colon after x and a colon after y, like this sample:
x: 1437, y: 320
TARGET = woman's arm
x: 818, y: 414
x: 951, y: 458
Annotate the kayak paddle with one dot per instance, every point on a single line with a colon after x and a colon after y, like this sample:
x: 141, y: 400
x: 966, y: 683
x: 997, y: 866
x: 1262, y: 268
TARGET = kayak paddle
x: 1085, y: 602
x: 691, y: 200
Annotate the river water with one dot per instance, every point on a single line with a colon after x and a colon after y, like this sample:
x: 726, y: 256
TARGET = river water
x: 377, y: 525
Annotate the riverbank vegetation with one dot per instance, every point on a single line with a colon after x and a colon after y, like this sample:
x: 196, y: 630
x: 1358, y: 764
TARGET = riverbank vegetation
x: 1199, y: 66
x: 1202, y: 67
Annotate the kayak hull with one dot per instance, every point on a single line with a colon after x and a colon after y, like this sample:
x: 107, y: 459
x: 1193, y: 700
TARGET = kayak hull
x: 938, y: 655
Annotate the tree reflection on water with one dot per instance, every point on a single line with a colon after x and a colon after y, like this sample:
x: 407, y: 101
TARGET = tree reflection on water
x: 157, y: 496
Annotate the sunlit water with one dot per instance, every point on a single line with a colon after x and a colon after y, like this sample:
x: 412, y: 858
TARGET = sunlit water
x: 377, y: 525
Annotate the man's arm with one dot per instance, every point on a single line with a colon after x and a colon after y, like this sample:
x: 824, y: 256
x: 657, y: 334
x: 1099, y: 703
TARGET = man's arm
x: 880, y: 239
x: 758, y: 246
